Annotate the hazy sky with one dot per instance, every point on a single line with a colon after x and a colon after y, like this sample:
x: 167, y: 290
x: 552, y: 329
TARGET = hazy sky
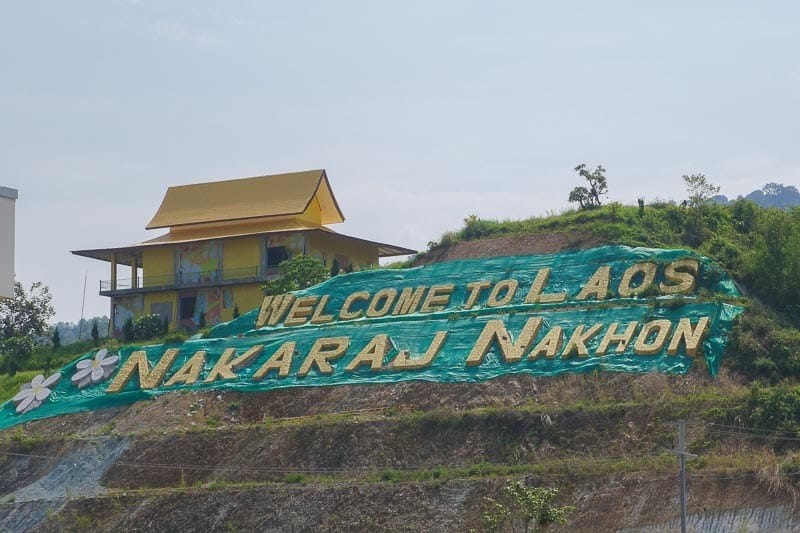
x: 421, y: 112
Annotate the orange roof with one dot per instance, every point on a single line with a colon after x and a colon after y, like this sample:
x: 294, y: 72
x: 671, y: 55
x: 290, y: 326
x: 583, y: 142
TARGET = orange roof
x: 242, y: 199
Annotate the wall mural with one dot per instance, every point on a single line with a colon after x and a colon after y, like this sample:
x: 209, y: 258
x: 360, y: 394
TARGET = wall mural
x: 126, y: 307
x: 199, y: 262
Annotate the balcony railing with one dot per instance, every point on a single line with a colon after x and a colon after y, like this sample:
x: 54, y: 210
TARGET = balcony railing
x: 191, y: 279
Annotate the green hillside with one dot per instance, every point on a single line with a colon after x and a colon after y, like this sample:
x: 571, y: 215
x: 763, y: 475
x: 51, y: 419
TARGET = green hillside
x: 434, y: 456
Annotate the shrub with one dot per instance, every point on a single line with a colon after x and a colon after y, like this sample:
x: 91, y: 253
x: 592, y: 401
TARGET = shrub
x: 147, y: 327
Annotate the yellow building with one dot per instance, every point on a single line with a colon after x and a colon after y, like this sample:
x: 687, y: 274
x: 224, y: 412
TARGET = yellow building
x: 225, y: 239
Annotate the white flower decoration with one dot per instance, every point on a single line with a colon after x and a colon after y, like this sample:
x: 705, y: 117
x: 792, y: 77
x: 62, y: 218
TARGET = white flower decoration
x: 31, y: 395
x: 92, y: 371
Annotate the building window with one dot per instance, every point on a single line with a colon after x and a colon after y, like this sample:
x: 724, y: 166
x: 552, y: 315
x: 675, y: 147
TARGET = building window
x: 187, y: 307
x: 276, y: 255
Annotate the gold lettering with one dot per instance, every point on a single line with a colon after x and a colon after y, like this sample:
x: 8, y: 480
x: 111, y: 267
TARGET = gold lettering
x: 597, y: 285
x: 281, y: 361
x: 372, y: 354
x: 376, y: 307
x: 190, y: 371
x: 549, y: 345
x: 403, y: 361
x: 318, y: 317
x: 535, y: 293
x: 622, y: 339
x: 438, y: 298
x: 409, y: 300
x: 507, y: 285
x: 691, y: 337
x: 273, y: 308
x: 682, y: 275
x: 147, y: 379
x: 577, y: 341
x: 323, y: 351
x: 346, y: 313
x: 302, y: 309
x: 226, y: 366
x: 475, y: 288
x: 511, y: 351
x: 642, y: 347
x: 648, y: 271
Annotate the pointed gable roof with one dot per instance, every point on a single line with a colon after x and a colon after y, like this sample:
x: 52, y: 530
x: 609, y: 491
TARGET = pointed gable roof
x: 278, y: 195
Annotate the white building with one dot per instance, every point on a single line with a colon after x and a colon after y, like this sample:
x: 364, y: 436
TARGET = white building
x: 7, y: 199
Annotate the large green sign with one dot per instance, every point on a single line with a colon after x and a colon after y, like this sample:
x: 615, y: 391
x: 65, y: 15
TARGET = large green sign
x: 606, y: 309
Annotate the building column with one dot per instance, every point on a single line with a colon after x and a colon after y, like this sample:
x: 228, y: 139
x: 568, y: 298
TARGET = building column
x: 113, y: 271
x: 111, y: 320
x: 134, y: 272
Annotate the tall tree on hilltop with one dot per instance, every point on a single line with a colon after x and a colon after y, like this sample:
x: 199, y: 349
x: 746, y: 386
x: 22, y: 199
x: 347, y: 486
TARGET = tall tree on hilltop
x: 589, y: 197
x: 700, y: 189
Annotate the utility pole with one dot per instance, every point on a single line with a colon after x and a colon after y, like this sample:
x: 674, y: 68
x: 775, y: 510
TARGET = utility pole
x: 681, y: 452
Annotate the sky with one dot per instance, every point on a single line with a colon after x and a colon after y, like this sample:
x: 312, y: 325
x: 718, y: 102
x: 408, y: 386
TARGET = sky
x: 421, y: 112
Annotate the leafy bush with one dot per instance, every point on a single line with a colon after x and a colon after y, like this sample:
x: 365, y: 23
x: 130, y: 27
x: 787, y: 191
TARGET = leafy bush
x: 762, y: 346
x: 296, y: 273
x: 770, y: 408
x: 147, y: 327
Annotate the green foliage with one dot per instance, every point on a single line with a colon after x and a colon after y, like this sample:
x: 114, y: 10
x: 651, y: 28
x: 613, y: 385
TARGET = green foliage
x: 143, y: 328
x: 175, y: 337
x: 760, y: 247
x: 10, y: 385
x: 529, y: 507
x: 56, y: 338
x: 296, y: 273
x: 127, y: 330
x: 772, y: 266
x: 95, y: 333
x: 15, y: 351
x: 589, y: 197
x: 770, y: 408
x: 335, y: 268
x: 74, y: 331
x: 26, y: 313
x: 764, y: 346
x: 700, y: 189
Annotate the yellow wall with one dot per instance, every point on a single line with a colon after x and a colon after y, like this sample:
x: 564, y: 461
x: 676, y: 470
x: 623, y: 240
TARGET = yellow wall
x: 159, y: 297
x: 240, y: 255
x: 158, y: 265
x: 246, y: 297
x: 359, y: 254
x: 237, y: 254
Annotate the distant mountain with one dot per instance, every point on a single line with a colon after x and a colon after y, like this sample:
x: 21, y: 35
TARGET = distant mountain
x: 69, y: 331
x: 772, y: 195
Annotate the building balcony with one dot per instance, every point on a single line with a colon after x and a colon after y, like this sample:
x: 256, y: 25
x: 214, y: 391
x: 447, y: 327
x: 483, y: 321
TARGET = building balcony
x: 183, y: 280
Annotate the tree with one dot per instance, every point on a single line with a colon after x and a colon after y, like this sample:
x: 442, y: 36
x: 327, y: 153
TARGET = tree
x: 335, y: 268
x: 56, y: 339
x: 700, y: 189
x: 528, y: 506
x: 95, y: 333
x: 296, y: 273
x: 589, y: 198
x: 15, y: 351
x: 26, y: 314
x: 23, y: 323
x: 127, y: 330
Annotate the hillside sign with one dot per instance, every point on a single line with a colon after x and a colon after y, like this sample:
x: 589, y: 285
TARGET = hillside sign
x: 605, y: 309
